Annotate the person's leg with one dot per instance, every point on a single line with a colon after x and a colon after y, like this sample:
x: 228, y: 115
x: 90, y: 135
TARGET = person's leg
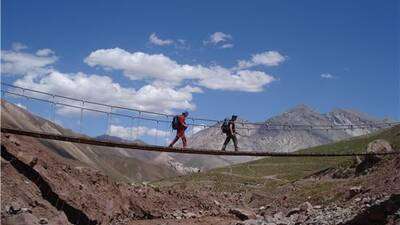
x: 235, y: 142
x: 184, y: 141
x: 174, y: 141
x: 228, y: 138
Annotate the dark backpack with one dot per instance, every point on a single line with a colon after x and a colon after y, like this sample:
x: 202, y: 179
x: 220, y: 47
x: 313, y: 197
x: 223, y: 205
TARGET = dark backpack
x: 225, y: 126
x: 175, y: 123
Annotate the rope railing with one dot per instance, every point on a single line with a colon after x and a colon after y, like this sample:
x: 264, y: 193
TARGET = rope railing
x: 267, y: 126
x: 143, y: 115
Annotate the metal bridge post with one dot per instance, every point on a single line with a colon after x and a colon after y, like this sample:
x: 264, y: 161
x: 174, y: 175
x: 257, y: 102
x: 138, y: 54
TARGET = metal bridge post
x: 54, y: 110
x: 109, y: 122
x: 26, y: 98
x: 166, y: 132
x: 81, y: 119
x: 138, y: 125
x: 131, y: 125
x: 193, y: 126
x: 156, y: 138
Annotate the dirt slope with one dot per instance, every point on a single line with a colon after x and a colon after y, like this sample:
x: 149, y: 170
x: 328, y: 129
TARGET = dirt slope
x: 65, y: 191
x: 119, y: 164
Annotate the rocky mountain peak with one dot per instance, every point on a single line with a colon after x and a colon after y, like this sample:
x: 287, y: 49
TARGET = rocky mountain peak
x: 347, y: 116
x: 301, y: 108
x: 300, y: 114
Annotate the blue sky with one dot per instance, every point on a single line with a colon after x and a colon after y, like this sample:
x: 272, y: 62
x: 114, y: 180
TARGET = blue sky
x: 341, y: 53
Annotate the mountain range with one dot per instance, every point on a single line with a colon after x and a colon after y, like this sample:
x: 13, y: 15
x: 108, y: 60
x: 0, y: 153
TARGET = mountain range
x: 134, y: 165
x: 260, y: 137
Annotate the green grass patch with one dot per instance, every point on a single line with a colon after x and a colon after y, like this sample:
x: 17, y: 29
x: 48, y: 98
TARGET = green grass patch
x: 270, y: 172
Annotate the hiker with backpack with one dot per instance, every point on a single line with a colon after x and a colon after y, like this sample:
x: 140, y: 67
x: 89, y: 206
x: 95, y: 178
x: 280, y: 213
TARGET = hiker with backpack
x: 228, y: 128
x: 179, y: 124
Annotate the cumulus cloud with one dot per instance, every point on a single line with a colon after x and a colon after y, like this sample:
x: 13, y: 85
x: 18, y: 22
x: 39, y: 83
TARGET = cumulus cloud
x: 103, y: 89
x: 20, y: 63
x: 218, y: 37
x: 268, y: 58
x: 161, y: 69
x: 136, y: 132
x: 45, y: 52
x: 227, y: 46
x: 243, y: 80
x: 154, y: 39
x: 169, y: 86
x: 327, y: 76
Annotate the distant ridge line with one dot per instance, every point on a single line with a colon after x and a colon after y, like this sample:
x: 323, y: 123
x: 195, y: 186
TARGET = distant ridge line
x: 155, y: 148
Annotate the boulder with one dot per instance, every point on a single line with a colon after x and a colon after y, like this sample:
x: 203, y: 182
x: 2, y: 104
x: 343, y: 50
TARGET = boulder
x: 353, y: 191
x: 27, y: 158
x: 43, y: 221
x: 243, y: 214
x: 189, y: 215
x: 293, y: 211
x: 14, y: 208
x: 378, y: 146
x: 306, y: 207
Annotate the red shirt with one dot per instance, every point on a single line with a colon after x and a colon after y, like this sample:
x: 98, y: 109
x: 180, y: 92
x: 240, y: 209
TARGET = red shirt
x: 180, y: 132
x: 182, y: 122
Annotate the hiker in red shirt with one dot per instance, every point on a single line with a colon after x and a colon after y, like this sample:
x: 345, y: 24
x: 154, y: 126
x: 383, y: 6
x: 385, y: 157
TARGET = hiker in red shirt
x: 179, y: 124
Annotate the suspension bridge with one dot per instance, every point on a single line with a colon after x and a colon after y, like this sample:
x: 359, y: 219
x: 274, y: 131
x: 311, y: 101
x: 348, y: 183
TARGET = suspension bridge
x: 82, y: 107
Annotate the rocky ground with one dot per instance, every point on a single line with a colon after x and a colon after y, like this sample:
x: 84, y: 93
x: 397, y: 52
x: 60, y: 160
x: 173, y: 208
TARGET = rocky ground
x: 366, y: 193
x: 41, y: 187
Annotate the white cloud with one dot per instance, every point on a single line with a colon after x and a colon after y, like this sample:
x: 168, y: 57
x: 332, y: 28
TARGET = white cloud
x: 327, y: 76
x: 243, y: 80
x: 16, y: 46
x: 268, y: 58
x: 158, y: 41
x: 227, y: 46
x: 170, y: 85
x: 135, y: 132
x: 45, y: 52
x: 161, y: 69
x: 20, y: 63
x: 102, y: 89
x: 218, y: 37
